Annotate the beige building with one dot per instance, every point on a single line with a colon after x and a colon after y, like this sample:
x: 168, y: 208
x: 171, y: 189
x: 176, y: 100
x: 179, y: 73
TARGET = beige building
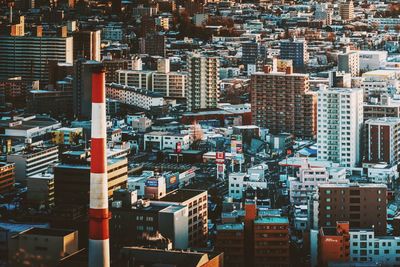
x: 346, y: 10
x: 42, y: 247
x: 40, y: 190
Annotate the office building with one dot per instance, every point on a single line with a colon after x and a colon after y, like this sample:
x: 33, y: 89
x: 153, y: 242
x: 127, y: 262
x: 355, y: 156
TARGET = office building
x: 384, y: 106
x: 167, y: 83
x: 296, y: 50
x: 363, y: 205
x: 67, y: 136
x: 153, y: 44
x: 32, y: 160
x: 382, y: 140
x: 346, y: 10
x: 203, y: 82
x: 349, y: 62
x: 28, y: 56
x: 340, y: 118
x: 282, y: 103
x: 87, y: 45
x: 250, y: 52
x: 42, y: 246
x: 82, y: 88
x: 7, y: 177
x: 112, y: 65
x: 72, y: 178
x: 196, y: 201
x: 140, y: 79
x: 40, y: 190
x: 56, y: 103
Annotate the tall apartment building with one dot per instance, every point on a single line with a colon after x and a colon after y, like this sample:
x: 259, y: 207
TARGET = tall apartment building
x: 382, y: 140
x: 153, y: 44
x: 349, y: 62
x: 363, y: 205
x: 282, y: 103
x: 7, y: 176
x: 82, y: 87
x: 250, y: 52
x: 340, y: 118
x: 87, y: 45
x: 346, y: 10
x: 28, y: 56
x: 203, y: 82
x: 296, y: 50
x: 32, y: 160
x: 196, y: 201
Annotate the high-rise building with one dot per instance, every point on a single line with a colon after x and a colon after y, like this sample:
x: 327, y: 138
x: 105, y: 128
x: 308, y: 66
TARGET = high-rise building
x: 82, y: 91
x: 250, y: 52
x: 28, y: 56
x: 346, y: 10
x: 153, y: 44
x: 382, y: 140
x: 340, y: 118
x: 167, y: 83
x: 87, y: 45
x: 349, y: 62
x: 363, y: 205
x: 203, y: 82
x: 296, y: 50
x: 283, y: 103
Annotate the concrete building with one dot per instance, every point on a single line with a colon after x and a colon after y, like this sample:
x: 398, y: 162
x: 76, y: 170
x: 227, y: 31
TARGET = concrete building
x: 203, y: 82
x: 384, y: 106
x: 197, y: 203
x: 171, y: 84
x: 28, y: 56
x: 372, y: 60
x: 231, y: 240
x: 153, y: 44
x: 334, y: 243
x: 41, y: 246
x: 382, y: 140
x: 40, y: 190
x: 256, y: 177
x: 379, y: 82
x: 296, y: 50
x: 282, y: 103
x: 346, y: 10
x: 166, y: 140
x: 363, y: 205
x: 67, y: 136
x: 134, y: 96
x: 32, y: 160
x: 87, y: 45
x: 7, y: 177
x: 141, y: 79
x: 82, y: 92
x: 349, y: 62
x: 340, y: 118
x: 250, y: 52
x: 72, y: 178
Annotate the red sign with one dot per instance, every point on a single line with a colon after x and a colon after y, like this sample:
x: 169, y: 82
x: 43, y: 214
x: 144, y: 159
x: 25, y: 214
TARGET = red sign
x: 220, y: 157
x: 220, y: 168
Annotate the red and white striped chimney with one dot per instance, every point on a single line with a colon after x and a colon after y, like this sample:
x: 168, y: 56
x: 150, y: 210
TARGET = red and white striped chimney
x: 99, y: 247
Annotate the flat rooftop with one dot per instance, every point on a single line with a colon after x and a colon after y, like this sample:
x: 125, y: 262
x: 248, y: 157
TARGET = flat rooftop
x: 272, y: 220
x: 230, y: 226
x: 182, y: 195
x: 48, y: 232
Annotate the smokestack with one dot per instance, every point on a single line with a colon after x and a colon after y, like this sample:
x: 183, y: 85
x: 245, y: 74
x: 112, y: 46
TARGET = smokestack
x: 99, y: 247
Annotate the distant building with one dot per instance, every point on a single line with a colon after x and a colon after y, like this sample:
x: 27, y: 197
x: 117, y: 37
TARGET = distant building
x: 32, y: 160
x: 153, y: 44
x: 41, y: 246
x: 82, y: 94
x: 296, y: 50
x: 384, y: 106
x: 197, y: 203
x: 203, y: 82
x: 338, y: 107
x: 7, y: 177
x: 25, y: 56
x: 166, y: 140
x: 346, y: 10
x: 282, y: 103
x: 363, y: 205
x: 40, y: 190
x: 87, y: 45
x: 349, y: 62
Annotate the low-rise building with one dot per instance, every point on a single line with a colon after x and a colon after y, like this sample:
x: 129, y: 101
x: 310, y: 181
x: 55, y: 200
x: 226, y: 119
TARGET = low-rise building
x: 40, y: 190
x: 7, y: 177
x: 166, y: 140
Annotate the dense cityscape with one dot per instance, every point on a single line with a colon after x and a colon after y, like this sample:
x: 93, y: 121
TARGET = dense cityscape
x: 207, y: 133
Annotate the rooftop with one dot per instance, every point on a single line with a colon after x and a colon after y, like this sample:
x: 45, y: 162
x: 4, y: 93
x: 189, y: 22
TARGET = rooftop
x: 182, y: 195
x: 230, y: 226
x: 48, y: 232
x: 272, y: 220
